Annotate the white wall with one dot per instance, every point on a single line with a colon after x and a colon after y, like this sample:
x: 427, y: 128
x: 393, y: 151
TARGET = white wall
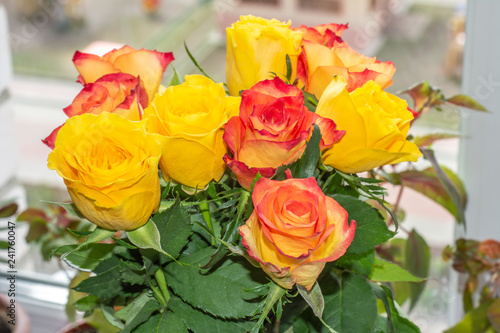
x: 480, y: 149
x: 8, y: 156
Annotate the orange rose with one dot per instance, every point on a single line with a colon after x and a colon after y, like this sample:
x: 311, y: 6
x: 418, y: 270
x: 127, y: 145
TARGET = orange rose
x: 295, y: 230
x: 118, y: 93
x: 147, y: 64
x: 272, y: 130
x: 325, y: 55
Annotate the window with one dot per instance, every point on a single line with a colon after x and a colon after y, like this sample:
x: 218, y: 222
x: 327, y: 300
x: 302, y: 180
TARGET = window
x: 263, y: 2
x: 322, y: 5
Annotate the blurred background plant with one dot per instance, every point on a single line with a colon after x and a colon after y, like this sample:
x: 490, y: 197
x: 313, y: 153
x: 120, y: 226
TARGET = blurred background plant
x: 48, y: 228
x: 479, y: 261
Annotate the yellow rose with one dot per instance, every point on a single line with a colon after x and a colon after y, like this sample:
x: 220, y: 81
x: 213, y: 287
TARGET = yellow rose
x: 191, y: 119
x: 256, y: 47
x: 376, y: 125
x: 110, y: 167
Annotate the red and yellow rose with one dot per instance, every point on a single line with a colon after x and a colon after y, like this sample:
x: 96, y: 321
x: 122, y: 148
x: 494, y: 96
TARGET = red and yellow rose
x: 148, y: 65
x: 271, y: 130
x: 295, y: 230
x: 324, y: 34
x: 325, y: 55
x: 118, y: 93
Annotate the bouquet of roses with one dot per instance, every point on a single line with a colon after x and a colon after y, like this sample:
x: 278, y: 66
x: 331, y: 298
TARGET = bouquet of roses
x: 238, y: 210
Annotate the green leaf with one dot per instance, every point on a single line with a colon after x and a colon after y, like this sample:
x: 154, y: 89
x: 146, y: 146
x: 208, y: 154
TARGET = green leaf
x: 232, y: 232
x: 274, y: 295
x: 303, y: 325
x: 343, y: 306
x: 494, y: 314
x: 430, y: 184
x: 371, y: 229
x: 70, y: 208
x: 163, y: 322
x: 33, y: 215
x: 36, y: 231
x: 205, y: 290
x: 473, y: 321
x: 133, y: 272
x: 88, y: 258
x: 395, y: 251
x: 359, y: 263
x: 147, y: 237
x: 386, y: 271
x: 73, y: 295
x: 429, y: 139
x: 200, y: 322
x: 195, y: 62
x: 97, y: 235
x: 418, y: 260
x: 79, y: 233
x: 87, y: 303
x: 109, y: 314
x: 420, y: 93
x: 306, y: 165
x: 466, y: 102
x: 109, y: 263
x: 310, y: 101
x: 104, y: 285
x: 314, y: 298
x: 288, y: 68
x: 123, y: 243
x: 8, y: 210
x: 451, y: 183
x: 174, y: 228
x: 396, y: 322
x: 138, y: 311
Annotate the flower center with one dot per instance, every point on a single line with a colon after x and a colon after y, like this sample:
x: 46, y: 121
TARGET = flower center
x: 106, y: 155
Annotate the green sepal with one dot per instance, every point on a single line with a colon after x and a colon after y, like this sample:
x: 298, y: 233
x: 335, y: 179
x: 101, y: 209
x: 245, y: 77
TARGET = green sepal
x: 314, y: 298
x: 176, y: 79
x: 147, y: 237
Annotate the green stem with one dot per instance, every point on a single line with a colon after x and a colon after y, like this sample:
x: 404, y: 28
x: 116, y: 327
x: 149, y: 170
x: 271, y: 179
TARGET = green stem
x: 162, y: 283
x: 205, y: 212
x: 242, y: 204
x: 328, y: 327
x: 275, y: 293
x: 158, y: 295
